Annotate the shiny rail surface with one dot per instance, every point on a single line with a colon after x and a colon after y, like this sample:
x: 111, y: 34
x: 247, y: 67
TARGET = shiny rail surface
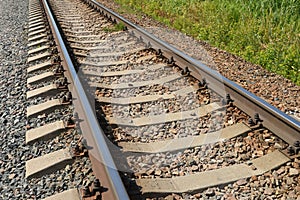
x: 87, y: 115
x: 284, y: 126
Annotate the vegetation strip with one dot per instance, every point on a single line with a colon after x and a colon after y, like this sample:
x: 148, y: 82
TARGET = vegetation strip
x: 262, y: 32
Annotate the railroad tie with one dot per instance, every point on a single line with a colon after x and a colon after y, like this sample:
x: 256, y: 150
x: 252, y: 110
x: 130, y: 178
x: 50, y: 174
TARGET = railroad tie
x: 36, y: 33
x: 146, y: 98
x: 43, y: 107
x: 39, y: 66
x: 41, y: 90
x: 38, y: 42
x: 39, y: 56
x: 36, y: 38
x: 103, y: 64
x: 92, y: 71
x: 71, y: 194
x: 40, y: 77
x: 48, y: 163
x: 47, y: 130
x: 165, y: 118
x: 187, y: 142
x: 160, y: 81
x: 203, y: 180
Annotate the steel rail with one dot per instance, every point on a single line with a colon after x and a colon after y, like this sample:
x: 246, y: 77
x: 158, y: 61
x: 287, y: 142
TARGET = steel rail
x: 88, y: 115
x: 272, y: 118
x: 278, y: 122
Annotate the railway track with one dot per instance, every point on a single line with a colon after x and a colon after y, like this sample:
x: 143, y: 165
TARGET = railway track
x: 147, y: 120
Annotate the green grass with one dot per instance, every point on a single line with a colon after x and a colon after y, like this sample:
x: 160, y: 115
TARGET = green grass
x: 117, y: 27
x: 264, y: 32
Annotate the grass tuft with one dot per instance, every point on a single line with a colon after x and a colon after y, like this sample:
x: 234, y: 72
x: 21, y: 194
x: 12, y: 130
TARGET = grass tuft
x: 264, y: 32
x: 117, y: 27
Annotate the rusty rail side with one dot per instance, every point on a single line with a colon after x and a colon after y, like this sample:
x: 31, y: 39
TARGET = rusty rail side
x: 283, y: 125
x: 102, y: 161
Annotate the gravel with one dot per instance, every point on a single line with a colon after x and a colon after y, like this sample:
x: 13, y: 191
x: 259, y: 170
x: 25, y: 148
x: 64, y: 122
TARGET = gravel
x: 178, y: 129
x: 13, y: 53
x: 206, y: 157
x: 13, y: 121
x: 280, y: 183
x: 273, y: 88
x: 150, y: 75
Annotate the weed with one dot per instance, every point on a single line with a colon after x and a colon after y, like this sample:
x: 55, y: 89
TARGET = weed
x: 117, y: 27
x: 264, y: 32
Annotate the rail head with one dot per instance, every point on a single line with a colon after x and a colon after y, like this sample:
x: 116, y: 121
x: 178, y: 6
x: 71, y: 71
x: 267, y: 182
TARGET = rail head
x: 278, y: 122
x: 285, y: 126
x: 88, y: 115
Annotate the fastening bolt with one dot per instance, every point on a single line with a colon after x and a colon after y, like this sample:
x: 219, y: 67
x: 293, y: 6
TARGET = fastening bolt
x: 56, y: 59
x: 140, y: 39
x: 65, y: 81
x: 199, y: 84
x: 64, y: 99
x: 202, y: 83
x: 159, y: 53
x: 207, y: 94
x: 297, y: 146
x: 59, y: 69
x: 70, y: 122
x: 251, y: 122
x: 148, y: 45
x: 98, y: 197
x: 171, y: 61
x: 86, y: 192
x: 77, y: 149
x: 96, y: 186
x: 186, y: 71
x: 62, y: 84
x: 69, y: 96
x: 291, y: 151
x: 257, y: 118
x: 52, y: 43
x: 54, y: 50
x: 297, y: 150
x: 228, y: 99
